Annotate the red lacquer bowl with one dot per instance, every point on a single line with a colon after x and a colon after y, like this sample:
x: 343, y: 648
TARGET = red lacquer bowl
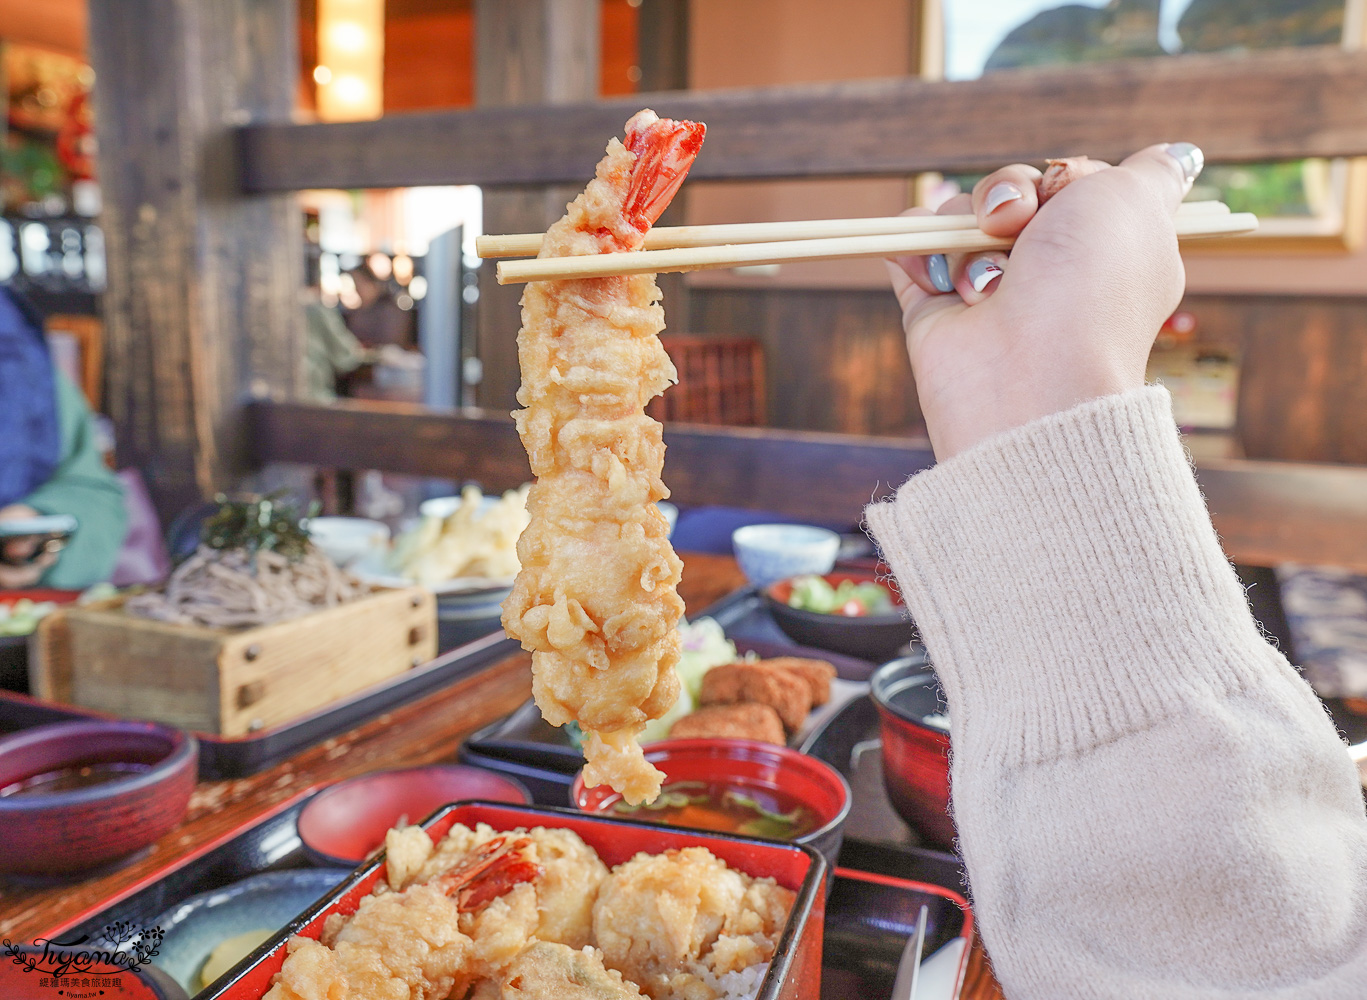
x: 915, y: 752
x: 745, y: 764
x: 345, y: 823
x: 64, y: 832
x: 794, y: 973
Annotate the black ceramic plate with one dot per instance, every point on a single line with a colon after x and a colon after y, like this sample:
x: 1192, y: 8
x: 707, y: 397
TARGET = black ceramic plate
x: 264, y: 902
x: 868, y: 922
x: 527, y: 747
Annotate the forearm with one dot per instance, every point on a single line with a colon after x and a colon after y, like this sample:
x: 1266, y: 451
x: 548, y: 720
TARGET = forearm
x: 1140, y: 780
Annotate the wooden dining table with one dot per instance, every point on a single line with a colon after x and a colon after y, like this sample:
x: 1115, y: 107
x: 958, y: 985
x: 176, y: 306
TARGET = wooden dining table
x: 426, y: 731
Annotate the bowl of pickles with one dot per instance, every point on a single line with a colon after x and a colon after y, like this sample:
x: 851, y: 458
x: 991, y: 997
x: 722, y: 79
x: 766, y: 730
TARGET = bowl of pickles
x: 846, y: 611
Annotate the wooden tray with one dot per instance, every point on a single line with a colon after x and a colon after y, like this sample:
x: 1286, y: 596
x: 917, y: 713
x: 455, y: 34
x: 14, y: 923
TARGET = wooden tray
x: 230, y: 682
x: 238, y: 756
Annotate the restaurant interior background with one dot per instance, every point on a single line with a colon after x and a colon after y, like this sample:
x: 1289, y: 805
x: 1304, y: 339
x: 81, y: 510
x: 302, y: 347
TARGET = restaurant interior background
x: 251, y: 224
x: 827, y: 335
x: 1268, y: 353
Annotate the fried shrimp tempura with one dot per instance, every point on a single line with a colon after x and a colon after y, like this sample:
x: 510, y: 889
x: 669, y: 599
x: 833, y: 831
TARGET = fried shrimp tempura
x: 595, y: 601
x: 449, y: 916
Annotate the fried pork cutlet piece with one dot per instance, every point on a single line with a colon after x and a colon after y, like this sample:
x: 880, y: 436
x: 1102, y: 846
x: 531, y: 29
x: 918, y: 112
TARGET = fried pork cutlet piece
x: 817, y: 673
x: 546, y: 971
x: 746, y: 720
x: 786, y: 693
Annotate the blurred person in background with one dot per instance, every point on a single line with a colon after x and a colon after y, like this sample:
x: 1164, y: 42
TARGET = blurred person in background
x: 379, y: 319
x: 332, y: 350
x: 50, y: 463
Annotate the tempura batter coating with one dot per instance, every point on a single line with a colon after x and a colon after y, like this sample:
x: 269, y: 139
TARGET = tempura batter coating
x: 554, y: 972
x: 398, y: 946
x: 665, y: 920
x: 595, y: 600
x: 562, y: 909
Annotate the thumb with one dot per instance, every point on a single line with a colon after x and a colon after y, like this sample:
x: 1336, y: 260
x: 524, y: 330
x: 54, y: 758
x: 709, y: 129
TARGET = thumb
x: 1169, y: 168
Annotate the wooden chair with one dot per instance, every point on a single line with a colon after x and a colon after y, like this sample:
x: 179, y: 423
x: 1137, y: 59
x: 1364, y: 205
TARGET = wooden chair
x: 88, y: 332
x: 721, y: 381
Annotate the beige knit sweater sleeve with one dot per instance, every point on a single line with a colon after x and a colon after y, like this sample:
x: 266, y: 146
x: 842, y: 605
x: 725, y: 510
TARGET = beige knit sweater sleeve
x: 1150, y: 801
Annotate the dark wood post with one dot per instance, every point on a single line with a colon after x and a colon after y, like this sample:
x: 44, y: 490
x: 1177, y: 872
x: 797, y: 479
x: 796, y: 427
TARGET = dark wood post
x: 203, y: 309
x: 526, y: 52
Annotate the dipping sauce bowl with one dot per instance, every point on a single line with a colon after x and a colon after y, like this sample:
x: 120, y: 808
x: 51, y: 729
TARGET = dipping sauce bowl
x: 78, y: 795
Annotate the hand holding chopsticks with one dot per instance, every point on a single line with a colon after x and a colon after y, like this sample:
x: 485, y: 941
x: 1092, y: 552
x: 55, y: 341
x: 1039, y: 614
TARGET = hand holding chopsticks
x: 693, y: 248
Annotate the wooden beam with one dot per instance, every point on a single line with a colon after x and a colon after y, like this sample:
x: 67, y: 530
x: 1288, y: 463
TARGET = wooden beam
x: 202, y: 309
x: 1266, y: 512
x: 527, y: 52
x: 1279, y: 104
x: 733, y: 466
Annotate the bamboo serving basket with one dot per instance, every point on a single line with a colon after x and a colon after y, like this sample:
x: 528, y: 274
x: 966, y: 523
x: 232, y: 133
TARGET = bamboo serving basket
x: 229, y: 682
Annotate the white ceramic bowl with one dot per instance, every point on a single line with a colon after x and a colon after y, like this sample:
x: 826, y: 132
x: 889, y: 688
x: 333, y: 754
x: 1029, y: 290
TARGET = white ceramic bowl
x: 444, y: 507
x: 671, y: 514
x: 349, y: 540
x: 768, y: 553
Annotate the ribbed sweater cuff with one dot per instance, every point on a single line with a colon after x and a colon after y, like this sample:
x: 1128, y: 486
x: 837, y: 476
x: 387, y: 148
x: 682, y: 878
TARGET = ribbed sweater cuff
x: 1060, y: 573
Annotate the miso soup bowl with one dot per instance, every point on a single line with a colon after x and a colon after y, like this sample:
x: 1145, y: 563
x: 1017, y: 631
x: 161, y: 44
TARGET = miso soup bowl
x: 743, y: 764
x: 915, y: 748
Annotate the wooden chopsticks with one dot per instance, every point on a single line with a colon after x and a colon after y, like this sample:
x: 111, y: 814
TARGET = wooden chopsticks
x: 669, y: 237
x: 692, y: 248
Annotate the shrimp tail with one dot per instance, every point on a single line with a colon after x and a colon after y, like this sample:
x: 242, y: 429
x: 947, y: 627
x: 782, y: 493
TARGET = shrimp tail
x: 665, y: 149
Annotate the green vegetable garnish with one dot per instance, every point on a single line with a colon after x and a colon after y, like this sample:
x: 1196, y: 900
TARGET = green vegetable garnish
x: 813, y: 593
x: 22, y: 617
x: 778, y: 826
x: 259, y: 523
x: 671, y: 797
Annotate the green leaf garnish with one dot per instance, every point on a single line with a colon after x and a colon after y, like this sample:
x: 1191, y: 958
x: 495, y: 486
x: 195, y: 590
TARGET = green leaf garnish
x: 258, y: 523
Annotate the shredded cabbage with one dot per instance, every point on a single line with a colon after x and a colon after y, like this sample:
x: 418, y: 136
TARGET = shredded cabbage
x: 704, y: 646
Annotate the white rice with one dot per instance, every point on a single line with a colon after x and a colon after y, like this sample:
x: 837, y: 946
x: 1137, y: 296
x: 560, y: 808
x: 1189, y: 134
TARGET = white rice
x: 742, y: 984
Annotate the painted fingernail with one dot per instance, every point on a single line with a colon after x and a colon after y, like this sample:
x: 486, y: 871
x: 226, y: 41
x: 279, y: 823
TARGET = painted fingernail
x: 938, y: 269
x: 982, y: 272
x: 1190, y: 157
x: 1000, y: 195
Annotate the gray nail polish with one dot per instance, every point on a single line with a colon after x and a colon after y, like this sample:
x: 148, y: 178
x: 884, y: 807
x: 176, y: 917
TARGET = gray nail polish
x: 982, y: 271
x: 938, y: 269
x: 1191, y: 158
x: 1000, y: 195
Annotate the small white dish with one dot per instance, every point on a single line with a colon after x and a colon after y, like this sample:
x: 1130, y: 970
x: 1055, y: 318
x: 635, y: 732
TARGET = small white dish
x: 349, y: 540
x: 444, y: 507
x: 671, y: 514
x: 768, y: 553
